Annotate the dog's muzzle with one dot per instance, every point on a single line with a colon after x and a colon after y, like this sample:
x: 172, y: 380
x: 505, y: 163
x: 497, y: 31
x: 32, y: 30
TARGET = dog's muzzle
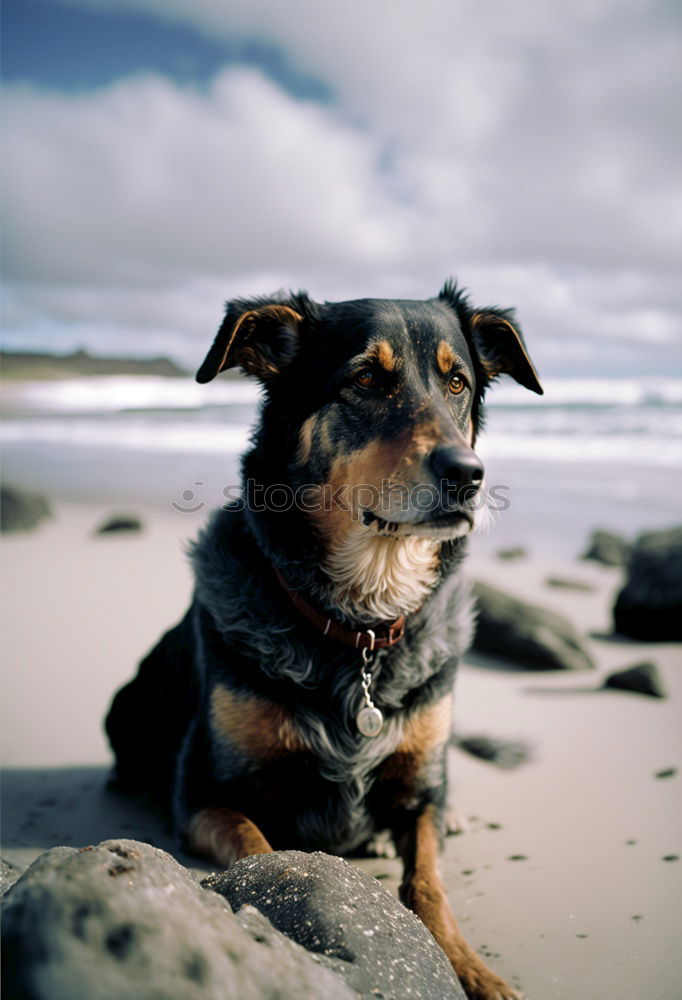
x: 444, y: 505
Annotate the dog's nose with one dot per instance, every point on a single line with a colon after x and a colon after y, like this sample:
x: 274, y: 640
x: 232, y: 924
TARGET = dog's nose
x: 457, y: 466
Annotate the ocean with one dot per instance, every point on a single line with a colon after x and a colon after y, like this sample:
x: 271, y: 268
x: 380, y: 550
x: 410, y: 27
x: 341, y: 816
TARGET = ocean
x: 591, y: 452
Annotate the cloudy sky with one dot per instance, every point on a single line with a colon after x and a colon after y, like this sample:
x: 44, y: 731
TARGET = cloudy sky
x: 161, y: 156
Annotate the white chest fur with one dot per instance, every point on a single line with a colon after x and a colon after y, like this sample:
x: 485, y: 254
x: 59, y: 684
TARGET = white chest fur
x: 381, y: 578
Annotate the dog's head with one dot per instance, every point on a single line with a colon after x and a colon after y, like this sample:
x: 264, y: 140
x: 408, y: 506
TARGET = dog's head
x: 373, y: 405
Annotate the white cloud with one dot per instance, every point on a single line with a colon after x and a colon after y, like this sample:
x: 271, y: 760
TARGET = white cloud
x: 147, y: 182
x: 528, y: 148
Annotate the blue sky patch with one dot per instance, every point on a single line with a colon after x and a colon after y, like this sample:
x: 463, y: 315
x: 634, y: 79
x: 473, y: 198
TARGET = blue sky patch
x: 66, y: 49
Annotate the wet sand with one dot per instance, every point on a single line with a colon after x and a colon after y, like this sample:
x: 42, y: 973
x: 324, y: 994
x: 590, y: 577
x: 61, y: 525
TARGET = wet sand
x: 561, y: 878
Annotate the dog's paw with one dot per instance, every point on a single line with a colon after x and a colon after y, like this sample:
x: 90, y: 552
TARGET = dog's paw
x: 484, y: 984
x: 380, y: 846
x: 455, y: 823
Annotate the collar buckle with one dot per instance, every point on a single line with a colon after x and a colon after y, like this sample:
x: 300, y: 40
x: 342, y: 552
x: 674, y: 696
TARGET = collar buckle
x: 396, y: 631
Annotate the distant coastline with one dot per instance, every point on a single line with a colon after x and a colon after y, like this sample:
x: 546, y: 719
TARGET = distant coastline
x: 30, y: 365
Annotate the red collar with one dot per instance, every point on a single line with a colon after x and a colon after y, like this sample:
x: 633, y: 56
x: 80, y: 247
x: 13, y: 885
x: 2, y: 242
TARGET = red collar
x: 381, y: 637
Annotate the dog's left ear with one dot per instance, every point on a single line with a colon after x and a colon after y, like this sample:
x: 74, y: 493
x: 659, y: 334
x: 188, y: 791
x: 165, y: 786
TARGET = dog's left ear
x: 259, y: 336
x: 501, y: 349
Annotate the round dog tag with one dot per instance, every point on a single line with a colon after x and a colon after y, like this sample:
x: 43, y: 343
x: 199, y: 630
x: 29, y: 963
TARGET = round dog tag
x: 370, y: 721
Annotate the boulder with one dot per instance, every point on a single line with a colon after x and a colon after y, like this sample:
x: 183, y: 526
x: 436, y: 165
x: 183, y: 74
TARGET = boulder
x: 532, y: 636
x: 338, y: 912
x: 126, y: 920
x: 21, y: 511
x: 607, y: 548
x: 9, y: 874
x: 649, y: 606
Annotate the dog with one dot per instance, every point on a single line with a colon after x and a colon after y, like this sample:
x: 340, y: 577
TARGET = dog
x: 304, y: 701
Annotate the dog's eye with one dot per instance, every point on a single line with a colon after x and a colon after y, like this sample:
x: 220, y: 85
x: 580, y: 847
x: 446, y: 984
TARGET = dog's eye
x: 365, y: 378
x: 457, y: 384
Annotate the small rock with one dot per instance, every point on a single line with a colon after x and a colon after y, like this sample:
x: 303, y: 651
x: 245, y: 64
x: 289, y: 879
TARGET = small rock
x: 126, y: 920
x: 21, y: 511
x: 534, y: 637
x: 353, y: 924
x: 507, y: 754
x: 649, y: 606
x: 563, y: 583
x: 119, y: 523
x: 607, y: 548
x: 514, y: 553
x: 642, y: 678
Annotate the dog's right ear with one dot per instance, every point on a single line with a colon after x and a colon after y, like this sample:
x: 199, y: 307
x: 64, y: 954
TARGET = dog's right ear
x: 259, y: 336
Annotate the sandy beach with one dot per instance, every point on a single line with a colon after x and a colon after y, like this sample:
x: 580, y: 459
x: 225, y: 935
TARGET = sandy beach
x: 561, y: 878
x: 251, y: 248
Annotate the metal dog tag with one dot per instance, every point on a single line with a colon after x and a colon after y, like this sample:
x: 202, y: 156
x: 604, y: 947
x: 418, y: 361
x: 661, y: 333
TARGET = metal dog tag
x: 370, y: 721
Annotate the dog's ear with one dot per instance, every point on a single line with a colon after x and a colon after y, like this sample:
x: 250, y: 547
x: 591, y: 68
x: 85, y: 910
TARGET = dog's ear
x: 496, y: 337
x: 500, y: 347
x: 259, y: 336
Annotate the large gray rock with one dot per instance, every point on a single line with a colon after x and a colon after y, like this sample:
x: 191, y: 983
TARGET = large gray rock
x: 9, y: 874
x: 527, y: 634
x: 336, y: 911
x: 125, y: 920
x: 21, y: 511
x: 607, y: 548
x: 650, y: 604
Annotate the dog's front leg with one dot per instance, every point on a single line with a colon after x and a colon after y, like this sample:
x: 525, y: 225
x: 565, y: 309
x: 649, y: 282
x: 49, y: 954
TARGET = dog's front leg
x: 224, y: 836
x: 423, y: 892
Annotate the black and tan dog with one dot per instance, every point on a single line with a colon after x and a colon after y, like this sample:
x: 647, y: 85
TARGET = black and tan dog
x: 305, y: 699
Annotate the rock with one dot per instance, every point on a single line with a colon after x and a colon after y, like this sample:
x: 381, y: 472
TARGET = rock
x: 642, y: 678
x: 21, y: 511
x: 606, y: 548
x: 9, y: 874
x: 515, y: 553
x: 649, y: 606
x: 666, y: 772
x: 532, y: 636
x: 506, y: 754
x: 119, y: 523
x: 565, y: 583
x: 345, y: 916
x: 125, y: 920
